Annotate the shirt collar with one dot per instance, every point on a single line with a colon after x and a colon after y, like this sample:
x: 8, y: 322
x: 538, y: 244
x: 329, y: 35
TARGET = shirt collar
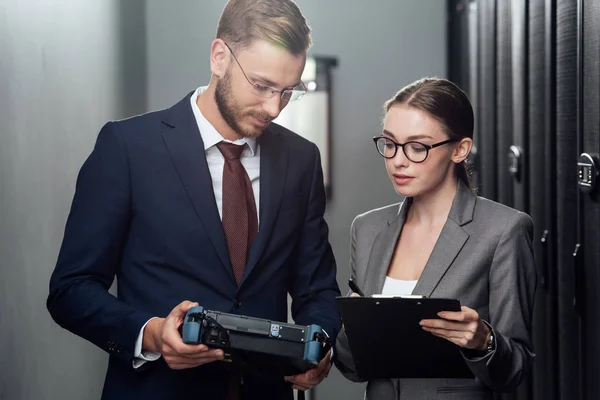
x: 210, y: 136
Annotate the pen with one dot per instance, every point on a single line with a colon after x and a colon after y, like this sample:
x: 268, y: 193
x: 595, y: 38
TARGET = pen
x: 355, y: 288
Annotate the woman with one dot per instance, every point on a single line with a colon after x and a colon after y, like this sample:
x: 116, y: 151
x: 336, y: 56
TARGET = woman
x: 444, y: 241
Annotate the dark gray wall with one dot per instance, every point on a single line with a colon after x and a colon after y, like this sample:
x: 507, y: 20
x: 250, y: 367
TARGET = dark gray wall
x: 66, y: 66
x: 381, y: 46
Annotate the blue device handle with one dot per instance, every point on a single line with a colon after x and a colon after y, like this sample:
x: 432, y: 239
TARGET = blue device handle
x: 313, y: 349
x: 192, y: 330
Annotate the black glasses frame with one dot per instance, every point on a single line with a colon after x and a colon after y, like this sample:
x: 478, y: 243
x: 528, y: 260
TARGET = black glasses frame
x: 427, y: 147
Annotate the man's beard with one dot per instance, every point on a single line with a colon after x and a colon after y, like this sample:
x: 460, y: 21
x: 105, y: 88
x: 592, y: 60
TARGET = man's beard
x: 230, y: 111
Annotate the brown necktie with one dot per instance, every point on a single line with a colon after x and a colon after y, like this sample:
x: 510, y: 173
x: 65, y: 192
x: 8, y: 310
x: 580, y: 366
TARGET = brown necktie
x: 240, y: 221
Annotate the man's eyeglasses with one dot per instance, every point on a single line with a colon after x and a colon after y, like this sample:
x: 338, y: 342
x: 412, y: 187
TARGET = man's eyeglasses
x: 268, y: 92
x: 416, y: 152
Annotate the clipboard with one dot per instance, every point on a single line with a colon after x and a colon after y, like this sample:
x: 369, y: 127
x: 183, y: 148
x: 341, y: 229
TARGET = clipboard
x: 387, y: 341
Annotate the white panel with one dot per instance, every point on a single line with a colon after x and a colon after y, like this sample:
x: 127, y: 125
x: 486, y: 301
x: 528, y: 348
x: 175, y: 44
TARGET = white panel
x: 309, y: 118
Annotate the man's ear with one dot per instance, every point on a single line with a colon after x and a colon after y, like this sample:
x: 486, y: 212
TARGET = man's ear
x: 219, y: 58
x: 462, y: 150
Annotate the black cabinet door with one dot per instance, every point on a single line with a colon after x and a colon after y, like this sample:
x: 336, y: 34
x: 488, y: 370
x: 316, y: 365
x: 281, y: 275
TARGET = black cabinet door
x: 517, y: 155
x: 589, y: 202
x: 459, y: 54
x: 566, y: 195
x: 504, y: 106
x: 542, y: 191
x: 486, y: 161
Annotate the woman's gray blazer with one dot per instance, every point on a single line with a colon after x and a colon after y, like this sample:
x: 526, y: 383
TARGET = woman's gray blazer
x: 484, y: 258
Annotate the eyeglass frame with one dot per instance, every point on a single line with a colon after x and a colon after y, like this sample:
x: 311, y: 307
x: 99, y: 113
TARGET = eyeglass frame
x: 272, y: 91
x: 427, y: 147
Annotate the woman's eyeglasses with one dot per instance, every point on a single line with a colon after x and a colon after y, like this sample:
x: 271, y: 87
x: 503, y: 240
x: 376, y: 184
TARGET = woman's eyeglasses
x: 414, y: 151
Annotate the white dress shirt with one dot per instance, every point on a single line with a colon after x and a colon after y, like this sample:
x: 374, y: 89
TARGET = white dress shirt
x: 250, y: 159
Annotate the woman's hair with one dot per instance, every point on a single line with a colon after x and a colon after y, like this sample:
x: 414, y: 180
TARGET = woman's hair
x: 279, y: 22
x: 445, y: 102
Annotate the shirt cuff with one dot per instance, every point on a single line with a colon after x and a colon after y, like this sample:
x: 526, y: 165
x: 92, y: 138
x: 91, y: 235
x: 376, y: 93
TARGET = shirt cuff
x: 140, y: 357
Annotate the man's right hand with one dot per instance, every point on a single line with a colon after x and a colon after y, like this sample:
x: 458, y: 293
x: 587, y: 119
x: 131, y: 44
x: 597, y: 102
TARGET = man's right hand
x: 162, y: 335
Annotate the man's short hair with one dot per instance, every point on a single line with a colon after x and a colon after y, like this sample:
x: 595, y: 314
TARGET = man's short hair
x: 279, y: 22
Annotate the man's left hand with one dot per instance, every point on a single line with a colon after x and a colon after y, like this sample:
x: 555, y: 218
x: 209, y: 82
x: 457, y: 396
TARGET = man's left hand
x: 313, y: 377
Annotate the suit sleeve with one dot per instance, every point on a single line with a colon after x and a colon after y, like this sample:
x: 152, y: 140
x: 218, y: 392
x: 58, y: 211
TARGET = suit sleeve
x: 512, y: 284
x: 314, y: 285
x: 89, y: 258
x: 343, y: 355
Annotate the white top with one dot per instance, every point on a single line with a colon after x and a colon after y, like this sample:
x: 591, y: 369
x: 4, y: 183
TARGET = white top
x: 398, y: 286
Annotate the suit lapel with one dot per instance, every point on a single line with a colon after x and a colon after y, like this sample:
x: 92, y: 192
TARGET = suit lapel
x: 383, y: 250
x: 273, y: 171
x: 450, y: 242
x: 184, y: 143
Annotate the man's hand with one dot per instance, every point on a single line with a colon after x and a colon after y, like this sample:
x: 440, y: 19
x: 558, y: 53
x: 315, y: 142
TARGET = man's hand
x: 463, y: 328
x: 313, y: 377
x: 162, y: 335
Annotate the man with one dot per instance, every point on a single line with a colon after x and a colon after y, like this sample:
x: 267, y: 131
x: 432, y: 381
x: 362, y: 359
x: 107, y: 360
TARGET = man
x: 208, y: 203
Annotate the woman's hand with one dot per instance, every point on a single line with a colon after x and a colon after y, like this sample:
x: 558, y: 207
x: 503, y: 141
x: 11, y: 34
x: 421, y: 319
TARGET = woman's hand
x: 463, y: 328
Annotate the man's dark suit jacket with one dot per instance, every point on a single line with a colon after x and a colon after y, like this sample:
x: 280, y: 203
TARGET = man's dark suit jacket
x: 144, y: 211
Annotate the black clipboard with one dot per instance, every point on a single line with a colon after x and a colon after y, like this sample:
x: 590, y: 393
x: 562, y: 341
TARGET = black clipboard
x: 387, y: 341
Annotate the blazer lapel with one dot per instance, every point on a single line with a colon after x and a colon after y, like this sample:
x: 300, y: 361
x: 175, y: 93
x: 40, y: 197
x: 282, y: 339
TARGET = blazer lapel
x: 450, y: 242
x: 383, y: 250
x: 273, y: 171
x: 184, y: 143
